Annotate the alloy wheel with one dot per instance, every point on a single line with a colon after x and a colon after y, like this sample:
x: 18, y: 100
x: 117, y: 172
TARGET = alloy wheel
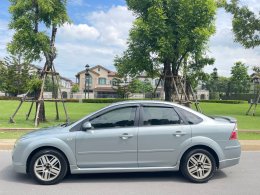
x: 47, y: 167
x: 199, y: 166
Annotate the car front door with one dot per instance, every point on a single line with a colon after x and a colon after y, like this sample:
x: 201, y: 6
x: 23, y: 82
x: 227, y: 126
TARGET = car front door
x: 112, y: 140
x: 162, y: 133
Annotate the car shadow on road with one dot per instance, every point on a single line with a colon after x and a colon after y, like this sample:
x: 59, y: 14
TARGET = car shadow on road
x: 133, y: 177
x: 9, y: 175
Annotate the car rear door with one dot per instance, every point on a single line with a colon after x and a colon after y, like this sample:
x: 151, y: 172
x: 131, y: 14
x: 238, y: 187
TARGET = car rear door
x: 112, y: 142
x: 162, y: 134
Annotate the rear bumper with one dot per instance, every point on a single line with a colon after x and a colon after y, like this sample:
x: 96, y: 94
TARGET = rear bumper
x: 232, y: 156
x: 228, y: 162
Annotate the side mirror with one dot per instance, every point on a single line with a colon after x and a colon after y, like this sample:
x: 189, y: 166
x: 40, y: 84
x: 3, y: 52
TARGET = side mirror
x: 86, y: 126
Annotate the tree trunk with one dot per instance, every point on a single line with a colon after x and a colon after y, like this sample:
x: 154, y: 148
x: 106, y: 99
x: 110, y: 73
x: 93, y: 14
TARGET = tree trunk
x: 42, y: 117
x: 168, y: 85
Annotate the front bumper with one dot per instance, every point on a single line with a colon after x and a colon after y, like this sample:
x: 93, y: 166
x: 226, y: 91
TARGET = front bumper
x: 18, y: 162
x: 19, y: 168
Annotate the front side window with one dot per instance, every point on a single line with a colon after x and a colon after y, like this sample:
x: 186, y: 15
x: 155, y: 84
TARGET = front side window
x: 118, y: 118
x: 102, y: 81
x: 160, y: 116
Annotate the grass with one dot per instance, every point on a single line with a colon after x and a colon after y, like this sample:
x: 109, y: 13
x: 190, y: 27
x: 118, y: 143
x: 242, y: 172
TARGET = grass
x: 13, y: 134
x: 75, y: 110
x: 79, y: 110
x: 245, y: 122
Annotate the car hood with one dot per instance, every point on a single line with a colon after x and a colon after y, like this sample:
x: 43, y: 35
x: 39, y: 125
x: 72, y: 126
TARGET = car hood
x: 44, y: 131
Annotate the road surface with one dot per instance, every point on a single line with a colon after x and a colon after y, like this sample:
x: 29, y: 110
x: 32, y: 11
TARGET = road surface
x: 242, y: 179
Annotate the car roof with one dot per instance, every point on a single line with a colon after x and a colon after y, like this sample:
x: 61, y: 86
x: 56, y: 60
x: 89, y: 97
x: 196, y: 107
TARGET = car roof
x: 144, y: 101
x: 160, y: 102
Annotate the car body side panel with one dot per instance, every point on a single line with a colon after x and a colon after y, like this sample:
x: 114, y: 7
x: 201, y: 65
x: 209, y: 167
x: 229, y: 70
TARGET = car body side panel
x: 160, y: 146
x: 105, y: 148
x: 64, y: 143
x: 216, y: 136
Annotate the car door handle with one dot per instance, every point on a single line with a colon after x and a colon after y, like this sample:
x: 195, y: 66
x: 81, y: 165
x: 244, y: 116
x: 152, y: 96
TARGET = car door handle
x: 126, y: 136
x: 179, y: 133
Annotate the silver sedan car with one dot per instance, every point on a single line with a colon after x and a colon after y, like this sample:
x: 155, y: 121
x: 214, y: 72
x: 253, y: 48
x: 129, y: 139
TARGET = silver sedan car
x: 134, y: 136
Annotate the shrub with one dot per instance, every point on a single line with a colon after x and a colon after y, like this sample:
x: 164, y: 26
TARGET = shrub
x: 109, y: 100
x: 9, y: 98
x: 224, y: 101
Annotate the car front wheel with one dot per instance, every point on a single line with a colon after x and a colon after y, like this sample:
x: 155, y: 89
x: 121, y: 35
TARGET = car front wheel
x: 198, y: 165
x: 48, y: 167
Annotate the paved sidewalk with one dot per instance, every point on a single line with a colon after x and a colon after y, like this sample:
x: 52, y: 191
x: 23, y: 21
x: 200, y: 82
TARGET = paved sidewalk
x: 247, y: 145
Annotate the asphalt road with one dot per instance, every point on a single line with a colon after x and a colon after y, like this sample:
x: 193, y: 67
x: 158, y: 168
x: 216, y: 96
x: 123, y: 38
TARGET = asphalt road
x: 242, y: 179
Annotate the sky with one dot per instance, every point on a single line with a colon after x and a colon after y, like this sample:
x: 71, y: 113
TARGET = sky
x: 100, y: 30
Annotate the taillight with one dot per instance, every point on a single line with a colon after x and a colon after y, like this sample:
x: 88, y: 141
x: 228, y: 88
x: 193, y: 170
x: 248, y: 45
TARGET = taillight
x: 234, y: 133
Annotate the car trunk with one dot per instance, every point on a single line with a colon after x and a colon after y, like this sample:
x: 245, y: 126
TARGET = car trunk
x: 227, y: 119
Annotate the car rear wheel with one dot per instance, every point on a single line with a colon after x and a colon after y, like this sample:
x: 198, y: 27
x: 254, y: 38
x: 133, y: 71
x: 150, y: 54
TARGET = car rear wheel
x: 198, y: 165
x: 48, y: 167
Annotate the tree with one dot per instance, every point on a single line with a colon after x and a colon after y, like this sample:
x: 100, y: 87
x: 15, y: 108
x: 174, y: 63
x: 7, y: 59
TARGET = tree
x: 246, y: 24
x: 75, y: 88
x: 35, y: 23
x: 14, y: 75
x: 240, y: 80
x: 256, y: 70
x: 121, y: 87
x: 51, y: 86
x: 164, y: 35
x: 138, y: 86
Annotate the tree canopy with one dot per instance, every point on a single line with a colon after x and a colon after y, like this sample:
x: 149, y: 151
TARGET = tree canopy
x: 246, y: 24
x: 240, y: 80
x: 35, y: 23
x: 14, y: 75
x: 165, y: 34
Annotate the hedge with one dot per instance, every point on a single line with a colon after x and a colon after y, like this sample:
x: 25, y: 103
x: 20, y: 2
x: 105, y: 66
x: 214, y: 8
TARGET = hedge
x: 9, y: 98
x: 113, y: 100
x: 224, y: 101
x: 97, y: 100
x: 109, y: 100
x: 246, y: 97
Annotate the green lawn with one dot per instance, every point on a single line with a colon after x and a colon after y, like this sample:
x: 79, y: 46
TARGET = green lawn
x: 79, y: 110
x: 75, y: 110
x: 235, y: 110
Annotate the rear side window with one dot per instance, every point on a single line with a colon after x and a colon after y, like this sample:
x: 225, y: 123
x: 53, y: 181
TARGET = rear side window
x: 191, y: 118
x: 160, y: 116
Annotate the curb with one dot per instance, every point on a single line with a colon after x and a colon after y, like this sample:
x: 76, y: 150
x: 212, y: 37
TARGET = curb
x: 18, y: 129
x: 246, y: 145
x: 7, y: 144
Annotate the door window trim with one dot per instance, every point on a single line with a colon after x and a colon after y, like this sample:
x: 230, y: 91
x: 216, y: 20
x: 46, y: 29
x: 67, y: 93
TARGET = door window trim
x: 136, y: 118
x: 141, y: 120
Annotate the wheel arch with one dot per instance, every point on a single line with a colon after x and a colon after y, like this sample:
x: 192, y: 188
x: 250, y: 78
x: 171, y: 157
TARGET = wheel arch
x: 45, y: 148
x: 207, y: 148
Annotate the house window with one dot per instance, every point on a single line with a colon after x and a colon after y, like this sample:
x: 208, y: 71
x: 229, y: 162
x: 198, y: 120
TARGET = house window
x: 102, y: 81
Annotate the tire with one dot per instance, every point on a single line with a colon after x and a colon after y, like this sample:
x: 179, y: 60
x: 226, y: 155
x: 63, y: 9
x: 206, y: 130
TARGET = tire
x: 48, y: 167
x: 198, y: 166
